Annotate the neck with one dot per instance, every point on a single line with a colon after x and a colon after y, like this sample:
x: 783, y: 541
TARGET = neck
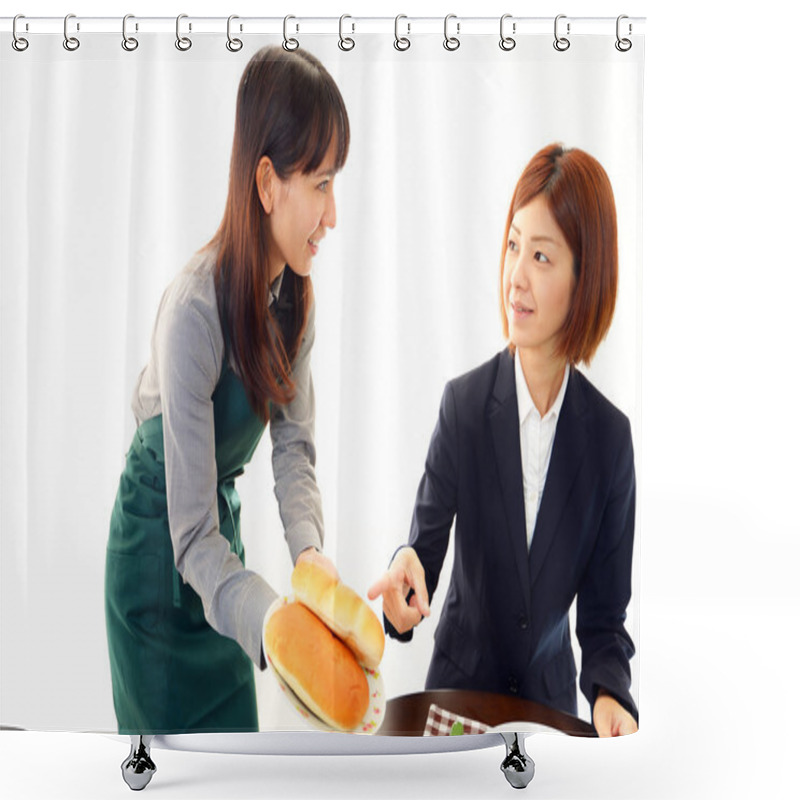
x: 544, y: 375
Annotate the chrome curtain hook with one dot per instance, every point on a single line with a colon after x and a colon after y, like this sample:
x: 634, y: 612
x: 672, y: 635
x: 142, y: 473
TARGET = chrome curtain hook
x: 451, y: 42
x: 183, y: 43
x: 289, y: 43
x: 129, y: 43
x: 506, y: 42
x: 401, y: 42
x: 234, y: 45
x: 19, y: 43
x: 623, y: 45
x: 561, y: 43
x: 70, y: 42
x: 345, y: 42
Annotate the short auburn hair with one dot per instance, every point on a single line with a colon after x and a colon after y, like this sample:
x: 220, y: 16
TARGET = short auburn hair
x: 579, y: 196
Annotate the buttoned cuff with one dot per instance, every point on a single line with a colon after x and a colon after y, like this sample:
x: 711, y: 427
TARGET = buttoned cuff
x: 252, y: 609
x: 301, y: 536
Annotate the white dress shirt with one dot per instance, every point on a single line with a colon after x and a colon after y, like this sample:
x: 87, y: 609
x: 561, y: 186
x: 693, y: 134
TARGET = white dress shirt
x: 536, y: 435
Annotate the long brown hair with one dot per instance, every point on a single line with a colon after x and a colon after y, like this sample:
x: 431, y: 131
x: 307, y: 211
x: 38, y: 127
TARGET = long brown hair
x: 288, y: 108
x: 579, y: 196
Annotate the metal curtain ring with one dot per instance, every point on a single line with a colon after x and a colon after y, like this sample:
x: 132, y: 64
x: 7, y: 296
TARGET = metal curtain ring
x: 19, y: 43
x: 506, y: 42
x: 234, y: 45
x: 451, y: 42
x: 183, y: 43
x: 401, y: 42
x: 289, y: 44
x: 345, y: 42
x: 561, y: 43
x: 70, y: 42
x: 623, y: 45
x: 129, y: 43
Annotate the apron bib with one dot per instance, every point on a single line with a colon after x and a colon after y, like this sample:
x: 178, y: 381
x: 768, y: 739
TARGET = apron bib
x: 170, y: 671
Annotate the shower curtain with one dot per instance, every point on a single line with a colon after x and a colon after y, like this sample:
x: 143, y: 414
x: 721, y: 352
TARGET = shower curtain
x: 113, y: 172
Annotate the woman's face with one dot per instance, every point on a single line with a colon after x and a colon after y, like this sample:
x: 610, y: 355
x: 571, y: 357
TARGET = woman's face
x: 300, y: 209
x: 538, y: 279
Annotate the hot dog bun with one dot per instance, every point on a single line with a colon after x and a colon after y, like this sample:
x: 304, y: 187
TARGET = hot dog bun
x: 319, y: 668
x: 342, y: 610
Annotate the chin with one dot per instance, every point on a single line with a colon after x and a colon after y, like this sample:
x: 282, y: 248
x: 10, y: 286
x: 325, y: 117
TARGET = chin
x: 302, y: 271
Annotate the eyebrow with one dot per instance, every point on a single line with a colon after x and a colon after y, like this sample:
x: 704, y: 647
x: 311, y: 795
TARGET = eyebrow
x: 534, y: 238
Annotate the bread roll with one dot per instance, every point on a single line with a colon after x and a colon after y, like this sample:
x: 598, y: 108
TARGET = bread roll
x: 321, y: 671
x: 342, y: 610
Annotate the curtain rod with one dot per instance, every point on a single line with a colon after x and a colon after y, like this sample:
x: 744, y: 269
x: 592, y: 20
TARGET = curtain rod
x: 348, y: 25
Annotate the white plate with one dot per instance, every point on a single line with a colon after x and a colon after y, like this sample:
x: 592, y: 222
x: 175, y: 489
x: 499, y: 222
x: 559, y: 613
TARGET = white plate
x: 377, y: 694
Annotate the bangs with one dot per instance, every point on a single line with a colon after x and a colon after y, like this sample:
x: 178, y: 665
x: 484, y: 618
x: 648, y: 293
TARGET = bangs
x: 328, y: 126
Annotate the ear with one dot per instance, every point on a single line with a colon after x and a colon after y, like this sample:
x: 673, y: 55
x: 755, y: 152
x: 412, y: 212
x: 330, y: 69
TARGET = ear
x: 266, y: 183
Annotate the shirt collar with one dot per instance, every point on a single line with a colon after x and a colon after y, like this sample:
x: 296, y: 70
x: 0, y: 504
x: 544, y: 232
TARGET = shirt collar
x: 275, y: 288
x: 525, y: 404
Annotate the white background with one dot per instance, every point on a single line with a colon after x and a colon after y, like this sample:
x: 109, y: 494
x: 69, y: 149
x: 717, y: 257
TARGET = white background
x: 115, y: 170
x: 719, y: 607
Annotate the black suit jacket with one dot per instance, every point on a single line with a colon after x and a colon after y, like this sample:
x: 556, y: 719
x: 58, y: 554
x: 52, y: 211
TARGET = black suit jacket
x: 504, y: 626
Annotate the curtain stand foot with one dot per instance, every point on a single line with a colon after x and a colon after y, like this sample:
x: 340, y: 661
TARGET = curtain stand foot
x: 138, y: 768
x: 518, y: 766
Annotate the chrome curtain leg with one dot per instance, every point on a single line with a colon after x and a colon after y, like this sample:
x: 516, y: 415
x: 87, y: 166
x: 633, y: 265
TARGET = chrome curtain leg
x: 518, y: 766
x: 138, y: 768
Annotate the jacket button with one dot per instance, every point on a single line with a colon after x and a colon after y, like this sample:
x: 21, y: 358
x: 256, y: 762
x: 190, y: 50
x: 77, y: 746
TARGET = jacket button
x: 513, y: 686
x: 522, y: 621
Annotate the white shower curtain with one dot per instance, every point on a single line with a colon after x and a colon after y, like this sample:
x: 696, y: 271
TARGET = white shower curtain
x: 113, y: 171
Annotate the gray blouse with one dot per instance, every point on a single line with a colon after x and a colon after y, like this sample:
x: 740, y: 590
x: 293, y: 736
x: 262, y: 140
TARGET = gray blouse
x: 186, y: 360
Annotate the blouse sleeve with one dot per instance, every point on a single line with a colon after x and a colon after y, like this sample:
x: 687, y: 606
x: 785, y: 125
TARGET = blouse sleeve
x: 189, y: 358
x: 294, y: 455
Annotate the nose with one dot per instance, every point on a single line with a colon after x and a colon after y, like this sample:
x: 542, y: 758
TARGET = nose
x: 329, y: 215
x: 518, y: 276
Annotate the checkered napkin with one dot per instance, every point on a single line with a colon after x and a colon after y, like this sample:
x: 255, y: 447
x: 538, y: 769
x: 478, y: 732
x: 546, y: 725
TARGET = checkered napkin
x: 440, y: 723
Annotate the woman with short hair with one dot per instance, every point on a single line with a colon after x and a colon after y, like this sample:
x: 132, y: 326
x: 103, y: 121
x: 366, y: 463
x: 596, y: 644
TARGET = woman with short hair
x: 537, y: 468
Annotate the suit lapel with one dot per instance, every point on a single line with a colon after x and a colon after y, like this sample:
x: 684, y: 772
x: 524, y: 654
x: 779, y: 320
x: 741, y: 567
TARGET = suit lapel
x: 569, y: 448
x: 504, y: 425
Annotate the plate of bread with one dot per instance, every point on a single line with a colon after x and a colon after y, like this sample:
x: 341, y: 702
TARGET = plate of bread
x: 324, y: 645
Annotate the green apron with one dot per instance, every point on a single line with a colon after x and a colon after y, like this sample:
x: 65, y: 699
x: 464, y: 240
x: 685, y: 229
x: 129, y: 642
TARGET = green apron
x: 170, y: 671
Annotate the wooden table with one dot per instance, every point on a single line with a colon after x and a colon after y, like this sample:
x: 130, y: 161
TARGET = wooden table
x: 407, y: 715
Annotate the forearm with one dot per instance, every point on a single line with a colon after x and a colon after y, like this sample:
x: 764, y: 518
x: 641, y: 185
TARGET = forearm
x: 234, y: 599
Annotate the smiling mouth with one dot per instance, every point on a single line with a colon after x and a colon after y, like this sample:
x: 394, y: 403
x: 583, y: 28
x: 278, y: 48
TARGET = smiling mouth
x: 518, y: 308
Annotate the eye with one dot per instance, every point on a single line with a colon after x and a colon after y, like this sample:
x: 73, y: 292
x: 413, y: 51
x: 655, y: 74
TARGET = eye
x: 512, y: 245
x: 541, y: 257
x: 323, y: 187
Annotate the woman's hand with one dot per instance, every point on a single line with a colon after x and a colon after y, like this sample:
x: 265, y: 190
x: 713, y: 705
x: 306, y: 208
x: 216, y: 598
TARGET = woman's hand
x: 610, y: 718
x: 405, y: 573
x: 320, y: 559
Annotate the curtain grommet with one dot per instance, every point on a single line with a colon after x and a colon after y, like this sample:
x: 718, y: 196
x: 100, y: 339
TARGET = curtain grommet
x: 561, y: 43
x: 129, y: 43
x: 71, y: 43
x: 19, y: 43
x: 183, y: 43
x: 401, y: 43
x: 451, y: 43
x: 289, y: 43
x: 623, y: 44
x: 346, y: 43
x: 507, y: 43
x: 233, y: 44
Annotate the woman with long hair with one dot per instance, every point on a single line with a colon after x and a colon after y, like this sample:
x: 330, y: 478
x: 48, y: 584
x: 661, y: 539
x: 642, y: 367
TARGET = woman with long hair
x: 230, y: 355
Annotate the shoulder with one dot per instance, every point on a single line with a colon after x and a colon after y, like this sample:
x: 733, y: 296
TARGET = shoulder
x: 193, y: 288
x: 607, y: 418
x: 480, y: 381
x: 188, y: 318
